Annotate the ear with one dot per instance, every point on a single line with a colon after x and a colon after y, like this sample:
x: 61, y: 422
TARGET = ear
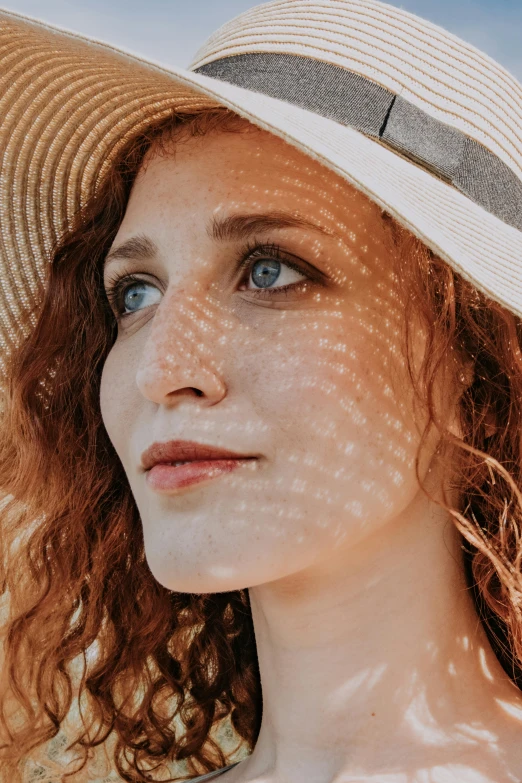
x: 490, y: 425
x: 466, y: 377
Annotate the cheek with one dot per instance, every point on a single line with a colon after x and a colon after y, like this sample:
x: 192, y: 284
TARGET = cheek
x: 119, y: 401
x: 107, y: 401
x: 337, y: 394
x: 330, y: 394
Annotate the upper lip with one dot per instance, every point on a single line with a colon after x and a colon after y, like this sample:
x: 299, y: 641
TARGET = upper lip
x: 176, y: 450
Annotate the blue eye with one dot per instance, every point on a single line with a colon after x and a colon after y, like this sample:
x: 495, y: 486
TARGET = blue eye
x: 132, y: 294
x: 263, y: 265
x: 126, y: 291
x: 265, y: 273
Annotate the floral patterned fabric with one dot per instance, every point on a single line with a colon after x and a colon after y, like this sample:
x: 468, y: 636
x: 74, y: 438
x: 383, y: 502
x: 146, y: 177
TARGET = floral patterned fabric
x: 48, y: 763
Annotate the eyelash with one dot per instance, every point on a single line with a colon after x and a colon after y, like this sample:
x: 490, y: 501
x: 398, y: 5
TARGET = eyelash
x: 117, y: 286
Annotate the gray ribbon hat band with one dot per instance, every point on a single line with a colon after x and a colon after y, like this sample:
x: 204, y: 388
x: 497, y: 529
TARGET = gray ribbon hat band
x: 354, y: 100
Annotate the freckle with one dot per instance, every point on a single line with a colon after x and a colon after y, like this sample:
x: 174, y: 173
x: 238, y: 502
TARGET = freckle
x: 373, y: 714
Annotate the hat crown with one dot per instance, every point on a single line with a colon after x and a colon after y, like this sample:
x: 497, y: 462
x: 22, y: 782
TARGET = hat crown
x: 431, y: 68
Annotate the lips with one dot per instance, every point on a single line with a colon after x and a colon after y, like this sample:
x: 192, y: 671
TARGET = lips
x: 185, y: 451
x: 170, y: 478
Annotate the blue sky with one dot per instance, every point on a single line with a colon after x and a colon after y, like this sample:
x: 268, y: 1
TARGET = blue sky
x: 170, y: 31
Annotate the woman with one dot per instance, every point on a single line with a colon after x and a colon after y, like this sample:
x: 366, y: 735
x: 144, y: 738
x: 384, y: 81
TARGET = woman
x: 317, y: 311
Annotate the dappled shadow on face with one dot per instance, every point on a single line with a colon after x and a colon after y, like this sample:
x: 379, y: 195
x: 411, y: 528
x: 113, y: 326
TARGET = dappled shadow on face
x: 311, y: 380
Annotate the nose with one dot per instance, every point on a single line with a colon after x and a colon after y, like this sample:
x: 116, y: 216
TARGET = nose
x: 179, y: 357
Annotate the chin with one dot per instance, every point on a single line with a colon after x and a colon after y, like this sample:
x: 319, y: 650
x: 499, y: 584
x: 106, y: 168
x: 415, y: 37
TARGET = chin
x: 197, y: 578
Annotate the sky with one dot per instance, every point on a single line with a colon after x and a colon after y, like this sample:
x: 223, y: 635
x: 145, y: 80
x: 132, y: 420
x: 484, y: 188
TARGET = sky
x: 171, y: 31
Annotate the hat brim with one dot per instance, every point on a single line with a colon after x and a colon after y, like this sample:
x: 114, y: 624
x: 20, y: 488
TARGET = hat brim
x: 68, y: 103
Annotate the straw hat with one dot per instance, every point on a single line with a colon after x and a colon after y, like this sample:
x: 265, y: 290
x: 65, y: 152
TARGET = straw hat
x: 424, y: 124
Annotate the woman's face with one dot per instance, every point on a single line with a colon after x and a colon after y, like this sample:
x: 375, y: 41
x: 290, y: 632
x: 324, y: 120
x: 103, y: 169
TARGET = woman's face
x: 311, y: 379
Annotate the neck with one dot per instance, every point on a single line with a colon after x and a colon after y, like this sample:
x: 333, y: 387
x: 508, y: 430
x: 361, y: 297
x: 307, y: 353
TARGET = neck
x: 374, y: 659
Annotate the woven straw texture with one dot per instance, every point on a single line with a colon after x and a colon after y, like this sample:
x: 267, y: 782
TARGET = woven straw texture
x: 68, y: 103
x: 433, y: 69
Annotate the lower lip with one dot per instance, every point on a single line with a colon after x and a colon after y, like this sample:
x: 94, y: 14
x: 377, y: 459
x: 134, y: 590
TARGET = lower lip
x: 164, y: 477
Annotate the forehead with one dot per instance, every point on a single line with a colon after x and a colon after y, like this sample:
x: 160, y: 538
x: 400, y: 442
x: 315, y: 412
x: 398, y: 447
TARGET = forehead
x: 194, y: 196
x: 188, y: 186
x: 249, y: 168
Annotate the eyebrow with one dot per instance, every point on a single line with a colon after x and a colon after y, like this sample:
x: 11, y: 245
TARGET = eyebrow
x: 233, y: 227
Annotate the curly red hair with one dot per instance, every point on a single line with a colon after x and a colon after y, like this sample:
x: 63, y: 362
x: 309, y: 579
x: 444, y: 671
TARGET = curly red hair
x: 162, y: 669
